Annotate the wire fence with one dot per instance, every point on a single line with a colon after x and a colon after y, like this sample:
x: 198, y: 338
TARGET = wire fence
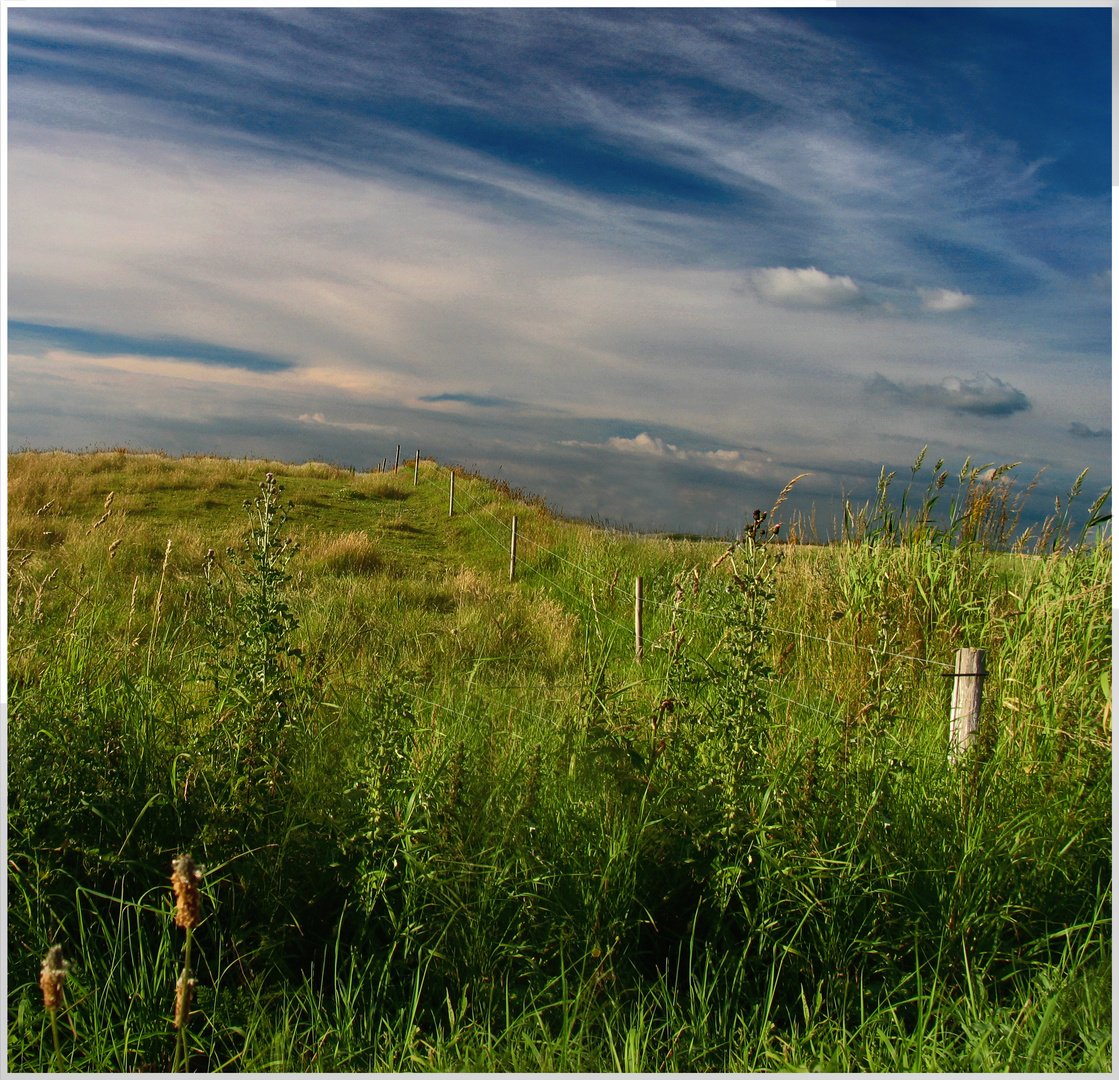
x: 478, y: 507
x: 683, y: 608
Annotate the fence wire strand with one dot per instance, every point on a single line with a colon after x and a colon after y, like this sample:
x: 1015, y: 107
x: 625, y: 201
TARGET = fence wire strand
x: 686, y: 609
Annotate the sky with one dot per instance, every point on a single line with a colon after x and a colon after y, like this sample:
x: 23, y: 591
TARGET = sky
x: 650, y: 264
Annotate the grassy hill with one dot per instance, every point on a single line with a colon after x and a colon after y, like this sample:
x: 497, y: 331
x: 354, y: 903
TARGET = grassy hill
x: 449, y: 821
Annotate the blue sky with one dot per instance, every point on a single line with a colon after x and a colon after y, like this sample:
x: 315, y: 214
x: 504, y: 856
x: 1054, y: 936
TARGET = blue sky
x: 649, y: 263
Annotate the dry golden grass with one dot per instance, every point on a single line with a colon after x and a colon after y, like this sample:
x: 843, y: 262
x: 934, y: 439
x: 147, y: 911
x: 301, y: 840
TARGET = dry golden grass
x: 36, y: 478
x: 350, y: 553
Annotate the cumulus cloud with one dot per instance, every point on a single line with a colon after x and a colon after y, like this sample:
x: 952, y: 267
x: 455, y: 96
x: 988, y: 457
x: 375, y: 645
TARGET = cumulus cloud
x: 649, y: 445
x: 803, y: 288
x: 984, y: 395
x: 944, y: 300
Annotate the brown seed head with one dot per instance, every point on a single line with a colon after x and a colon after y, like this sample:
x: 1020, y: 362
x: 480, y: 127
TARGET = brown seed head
x: 184, y: 991
x: 52, y: 978
x: 185, y: 877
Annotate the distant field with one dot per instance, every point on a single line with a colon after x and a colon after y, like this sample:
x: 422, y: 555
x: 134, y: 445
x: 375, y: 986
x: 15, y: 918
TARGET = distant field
x: 449, y: 821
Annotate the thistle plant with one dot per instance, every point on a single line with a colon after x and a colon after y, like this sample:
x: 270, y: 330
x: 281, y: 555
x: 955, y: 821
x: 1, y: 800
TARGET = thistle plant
x: 744, y: 697
x: 51, y: 982
x: 185, y: 877
x: 252, y: 632
x: 267, y: 620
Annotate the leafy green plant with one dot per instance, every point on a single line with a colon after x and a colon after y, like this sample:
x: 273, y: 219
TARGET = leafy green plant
x: 474, y: 833
x: 253, y: 630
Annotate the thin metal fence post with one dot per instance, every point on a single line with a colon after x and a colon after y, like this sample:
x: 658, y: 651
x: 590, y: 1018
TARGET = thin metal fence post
x: 416, y: 476
x: 513, y: 550
x: 451, y: 507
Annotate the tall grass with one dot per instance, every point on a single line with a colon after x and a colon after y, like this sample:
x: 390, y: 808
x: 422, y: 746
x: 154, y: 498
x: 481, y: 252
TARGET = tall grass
x: 447, y: 822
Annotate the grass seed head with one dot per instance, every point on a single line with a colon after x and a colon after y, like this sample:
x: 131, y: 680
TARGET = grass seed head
x: 184, y: 991
x: 185, y: 877
x: 52, y: 978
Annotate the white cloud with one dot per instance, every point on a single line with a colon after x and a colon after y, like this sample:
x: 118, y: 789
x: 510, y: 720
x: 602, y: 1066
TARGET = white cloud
x: 320, y: 419
x: 645, y: 444
x: 943, y: 300
x: 803, y: 288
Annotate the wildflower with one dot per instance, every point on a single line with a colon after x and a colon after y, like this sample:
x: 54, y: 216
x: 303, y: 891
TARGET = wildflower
x: 185, y: 877
x: 53, y: 977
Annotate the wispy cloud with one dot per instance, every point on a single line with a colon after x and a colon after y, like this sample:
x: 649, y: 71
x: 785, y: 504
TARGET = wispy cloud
x: 100, y: 343
x: 479, y: 401
x: 736, y: 461
x: 526, y: 233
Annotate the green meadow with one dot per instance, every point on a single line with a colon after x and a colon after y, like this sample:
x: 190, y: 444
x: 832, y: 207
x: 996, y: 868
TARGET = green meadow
x: 448, y: 821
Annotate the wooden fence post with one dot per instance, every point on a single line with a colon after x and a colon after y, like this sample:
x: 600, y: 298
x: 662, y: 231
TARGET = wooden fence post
x: 513, y: 550
x: 967, y: 699
x: 638, y: 642
x: 451, y: 508
x: 397, y: 465
x: 385, y: 465
x: 416, y: 476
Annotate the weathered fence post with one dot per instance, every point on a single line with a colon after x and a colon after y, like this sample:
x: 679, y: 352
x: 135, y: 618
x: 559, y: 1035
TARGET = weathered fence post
x: 638, y: 642
x: 451, y: 508
x: 416, y: 476
x: 513, y: 550
x: 385, y: 465
x: 967, y: 699
x: 397, y: 465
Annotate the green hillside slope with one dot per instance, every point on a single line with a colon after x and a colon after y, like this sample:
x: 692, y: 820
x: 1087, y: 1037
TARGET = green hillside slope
x: 451, y: 821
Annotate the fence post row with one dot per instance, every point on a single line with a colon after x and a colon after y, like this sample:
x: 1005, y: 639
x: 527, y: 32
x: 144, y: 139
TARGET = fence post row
x: 967, y: 683
x: 638, y: 642
x: 967, y: 700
